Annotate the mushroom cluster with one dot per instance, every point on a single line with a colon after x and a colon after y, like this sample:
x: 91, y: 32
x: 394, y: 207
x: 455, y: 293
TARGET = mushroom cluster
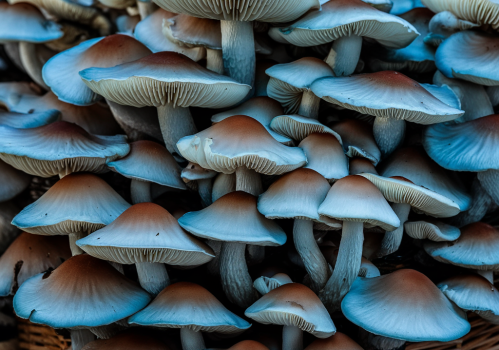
x: 228, y: 174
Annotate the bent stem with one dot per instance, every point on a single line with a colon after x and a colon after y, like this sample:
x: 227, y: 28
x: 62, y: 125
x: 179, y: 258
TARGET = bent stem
x: 73, y: 237
x: 315, y: 263
x: 489, y: 180
x: 153, y: 277
x: 80, y: 338
x: 214, y: 61
x: 344, y: 55
x: 309, y: 106
x: 140, y: 191
x: 388, y: 134
x: 347, y: 266
x: 191, y: 340
x: 175, y: 123
x: 292, y: 338
x: 249, y: 181
x: 392, y: 239
x: 236, y: 281
x: 204, y: 188
x: 31, y: 63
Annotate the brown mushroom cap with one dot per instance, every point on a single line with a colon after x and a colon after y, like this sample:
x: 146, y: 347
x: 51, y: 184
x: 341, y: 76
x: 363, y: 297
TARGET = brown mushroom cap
x: 248, y: 345
x: 189, y: 31
x: 339, y: 341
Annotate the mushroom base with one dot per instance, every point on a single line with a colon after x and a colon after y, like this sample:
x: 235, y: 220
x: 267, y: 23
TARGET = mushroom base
x: 191, y: 340
x: 489, y: 180
x: 392, y: 239
x: 153, y: 277
x: 292, y: 338
x: 388, y: 134
x: 175, y: 123
x: 140, y: 191
x: 344, y: 55
x: 80, y: 338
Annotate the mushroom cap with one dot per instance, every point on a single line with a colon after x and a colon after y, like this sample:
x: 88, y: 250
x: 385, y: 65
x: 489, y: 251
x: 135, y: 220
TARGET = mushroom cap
x: 261, y: 108
x: 354, y: 198
x: 146, y: 232
x: 433, y: 230
x: 296, y: 195
x: 264, y: 284
x: 83, y: 292
x: 476, y: 248
x: 293, y: 304
x: 325, y: 155
x: 359, y: 165
x: 298, y: 127
x: 151, y: 162
x: 445, y: 94
x: 274, y: 11
x: 189, y: 31
x: 470, y: 56
x: 59, y: 147
x: 469, y: 146
x: 24, y: 22
x: 30, y: 255
x: 129, y: 340
x: 367, y: 94
x: 240, y: 141
x: 29, y: 120
x: 402, y: 6
x: 149, y: 32
x: 194, y: 172
x: 235, y: 209
x: 162, y: 78
x: 77, y: 203
x: 404, y: 305
x: 248, y: 345
x: 338, y: 341
x: 13, y: 182
x: 341, y: 18
x: 288, y: 81
x: 188, y: 305
x: 60, y: 73
x: 11, y: 93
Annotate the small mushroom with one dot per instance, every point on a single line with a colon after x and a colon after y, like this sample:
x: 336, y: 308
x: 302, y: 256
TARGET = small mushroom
x: 433, y: 230
x: 196, y: 176
x: 298, y: 127
x: 264, y: 284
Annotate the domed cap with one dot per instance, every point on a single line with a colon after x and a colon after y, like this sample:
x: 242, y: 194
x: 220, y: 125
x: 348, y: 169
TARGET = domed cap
x: 473, y: 293
x: 189, y: 31
x: 83, y: 292
x: 30, y: 255
x: 76, y: 203
x: 354, y: 198
x: 476, y: 248
x: 471, y: 56
x: 288, y: 81
x: 235, y: 209
x: 13, y: 182
x: 266, y: 11
x: 266, y: 284
x: 295, y: 305
x: 341, y: 18
x: 339, y: 341
x: 59, y: 148
x: 248, y: 345
x: 298, y: 127
x: 161, y: 78
x: 149, y: 161
x: 194, y: 172
x: 296, y: 195
x: 29, y: 120
x: 146, y: 232
x: 445, y: 94
x: 433, y: 230
x: 188, y: 305
x: 360, y: 165
x: 24, y: 22
x: 60, y: 73
x: 366, y: 93
x: 262, y: 108
x: 404, y: 305
x: 129, y: 340
x: 240, y: 141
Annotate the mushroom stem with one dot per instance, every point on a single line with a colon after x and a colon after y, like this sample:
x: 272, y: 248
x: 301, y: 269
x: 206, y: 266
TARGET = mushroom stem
x: 389, y: 134
x: 347, y: 265
x: 238, y: 48
x: 145, y: 8
x: 315, y: 263
x: 309, y: 106
x: 249, y: 181
x: 236, y: 281
x: 223, y: 184
x: 32, y: 63
x: 392, y: 239
x: 489, y: 180
x: 344, y: 55
x: 117, y: 266
x: 153, y: 277
x: 480, y: 204
x: 73, y: 237
x: 80, y: 338
x: 204, y: 188
x: 175, y: 123
x: 140, y: 191
x: 191, y: 340
x: 214, y: 61
x: 292, y: 338
x: 487, y: 274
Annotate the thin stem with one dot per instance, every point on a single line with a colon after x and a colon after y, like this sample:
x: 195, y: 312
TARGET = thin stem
x: 487, y: 274
x: 315, y: 263
x: 248, y: 180
x: 389, y: 134
x: 214, y: 61
x: 175, y: 123
x: 489, y: 180
x: 140, y: 191
x: 191, y: 340
x: 292, y: 338
x: 204, y: 188
x: 309, y: 106
x: 73, y: 237
x: 32, y: 63
x: 80, y: 338
x: 392, y: 239
x: 344, y: 55
x: 153, y: 277
x: 146, y: 8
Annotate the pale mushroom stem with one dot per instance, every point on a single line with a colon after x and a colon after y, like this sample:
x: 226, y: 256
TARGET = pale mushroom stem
x: 80, y: 338
x: 489, y: 180
x: 392, y: 239
x: 117, y: 266
x: 249, y: 181
x: 140, y: 191
x: 214, y: 61
x: 205, y: 187
x: 153, y: 277
x: 388, y: 134
x: 480, y: 204
x: 236, y: 281
x: 238, y: 48
x: 292, y: 338
x: 73, y: 237
x: 175, y: 123
x: 315, y: 263
x: 344, y: 55
x: 32, y: 63
x: 223, y: 184
x: 191, y: 340
x: 487, y: 274
x: 347, y: 265
x: 309, y: 106
x: 146, y: 8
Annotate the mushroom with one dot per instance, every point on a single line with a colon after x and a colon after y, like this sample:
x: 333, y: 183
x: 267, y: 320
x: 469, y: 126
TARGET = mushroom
x: 353, y: 200
x: 193, y: 309
x: 234, y: 220
x: 360, y: 165
x: 402, y: 306
x: 196, y: 176
x: 129, y: 340
x: 433, y: 230
x: 264, y: 284
x: 298, y: 309
x: 443, y: 25
x: 83, y: 293
x: 335, y: 342
x: 298, y: 127
x: 248, y: 345
x: 76, y: 205
x: 178, y: 83
x: 29, y: 120
x: 13, y: 182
